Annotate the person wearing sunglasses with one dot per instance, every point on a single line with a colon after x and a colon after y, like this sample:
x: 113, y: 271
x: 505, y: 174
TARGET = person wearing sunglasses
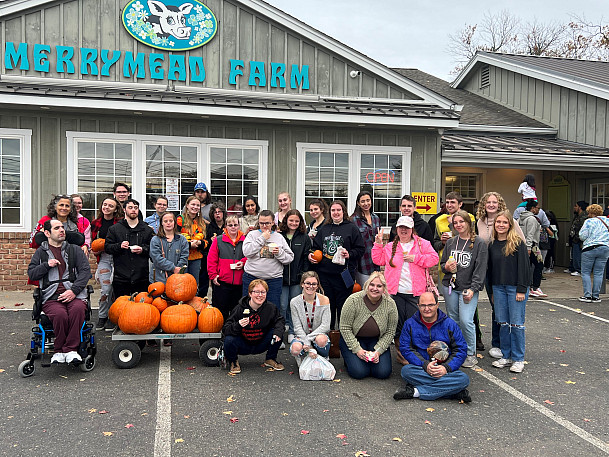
x: 311, y: 319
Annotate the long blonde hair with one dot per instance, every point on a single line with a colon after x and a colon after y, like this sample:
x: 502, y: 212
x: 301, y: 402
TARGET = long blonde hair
x: 513, y: 238
x: 468, y: 220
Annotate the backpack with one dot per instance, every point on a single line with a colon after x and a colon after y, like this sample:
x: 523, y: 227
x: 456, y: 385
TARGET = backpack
x: 71, y: 266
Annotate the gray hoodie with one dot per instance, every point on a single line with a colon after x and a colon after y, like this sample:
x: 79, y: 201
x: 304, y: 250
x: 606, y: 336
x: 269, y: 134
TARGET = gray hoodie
x: 531, y: 228
x: 471, y: 263
x: 261, y: 263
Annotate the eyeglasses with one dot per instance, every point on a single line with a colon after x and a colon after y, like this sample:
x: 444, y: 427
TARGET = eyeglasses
x: 265, y: 223
x: 309, y: 284
x: 258, y: 292
x: 232, y: 225
x: 423, y: 305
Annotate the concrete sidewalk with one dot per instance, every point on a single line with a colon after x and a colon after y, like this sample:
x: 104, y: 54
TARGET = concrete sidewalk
x: 557, y: 285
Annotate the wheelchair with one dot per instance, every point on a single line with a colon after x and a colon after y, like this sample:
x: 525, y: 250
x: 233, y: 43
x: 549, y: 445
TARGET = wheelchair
x: 43, y: 337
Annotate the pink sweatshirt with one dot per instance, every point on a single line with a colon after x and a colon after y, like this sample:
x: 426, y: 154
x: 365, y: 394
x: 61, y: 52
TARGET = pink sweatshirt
x: 424, y: 257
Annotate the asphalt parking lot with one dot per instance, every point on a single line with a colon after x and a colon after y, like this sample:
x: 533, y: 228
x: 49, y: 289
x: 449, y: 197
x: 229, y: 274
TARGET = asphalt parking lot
x: 170, y: 404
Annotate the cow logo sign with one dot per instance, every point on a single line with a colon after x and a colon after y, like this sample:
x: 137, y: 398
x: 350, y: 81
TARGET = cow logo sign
x: 172, y: 25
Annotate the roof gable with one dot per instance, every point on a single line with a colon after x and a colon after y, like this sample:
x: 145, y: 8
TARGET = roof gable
x: 587, y: 76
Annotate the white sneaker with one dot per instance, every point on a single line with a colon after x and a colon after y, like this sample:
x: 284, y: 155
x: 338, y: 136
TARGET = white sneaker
x: 501, y: 363
x: 533, y: 293
x: 470, y: 361
x: 290, y: 338
x: 73, y: 356
x: 495, y: 353
x: 566, y: 270
x: 540, y: 293
x: 546, y: 271
x: 576, y: 273
x: 282, y: 346
x: 58, y: 357
x: 517, y: 367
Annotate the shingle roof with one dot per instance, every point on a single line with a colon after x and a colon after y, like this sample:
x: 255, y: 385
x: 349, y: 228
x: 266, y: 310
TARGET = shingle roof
x: 476, y: 109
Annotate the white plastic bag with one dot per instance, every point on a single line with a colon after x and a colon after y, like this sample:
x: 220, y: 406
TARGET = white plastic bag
x: 317, y: 369
x: 338, y: 256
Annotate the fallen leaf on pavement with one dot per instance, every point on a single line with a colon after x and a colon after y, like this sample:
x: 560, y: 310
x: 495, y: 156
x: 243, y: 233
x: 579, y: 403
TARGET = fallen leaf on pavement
x: 108, y: 433
x: 342, y: 436
x: 591, y: 312
x: 399, y: 440
x: 234, y: 419
x: 231, y: 399
x: 478, y: 369
x: 549, y: 402
x: 61, y: 376
x: 304, y: 432
x: 481, y: 391
x: 562, y: 350
x: 179, y: 440
x: 129, y: 426
x: 569, y: 382
x: 103, y: 411
x: 284, y: 414
x: 2, y: 370
x: 291, y: 372
x: 325, y: 410
x: 228, y: 412
x: 232, y: 375
x: 428, y: 423
x: 551, y: 309
x: 362, y: 454
x: 431, y: 410
x: 191, y: 368
x: 566, y: 365
x: 92, y: 410
x: 82, y: 379
x: 580, y: 372
x: 18, y: 304
x: 186, y: 417
x: 270, y: 369
x: 557, y: 338
x: 586, y: 420
x: 144, y: 414
x: 336, y: 380
x: 2, y: 307
x: 480, y: 356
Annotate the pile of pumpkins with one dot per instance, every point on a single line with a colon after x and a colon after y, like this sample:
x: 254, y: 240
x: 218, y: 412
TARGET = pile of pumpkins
x: 141, y: 313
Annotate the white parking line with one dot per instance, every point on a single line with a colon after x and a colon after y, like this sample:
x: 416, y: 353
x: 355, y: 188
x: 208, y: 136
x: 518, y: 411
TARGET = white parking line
x: 575, y: 310
x: 162, y: 437
x: 546, y: 412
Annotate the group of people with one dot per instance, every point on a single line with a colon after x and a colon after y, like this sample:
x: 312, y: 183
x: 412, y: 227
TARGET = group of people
x: 267, y: 276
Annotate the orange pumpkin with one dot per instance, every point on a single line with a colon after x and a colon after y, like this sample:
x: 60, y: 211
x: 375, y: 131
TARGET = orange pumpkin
x: 198, y: 303
x: 210, y: 320
x: 181, y: 287
x: 160, y: 304
x: 318, y: 255
x: 180, y: 318
x: 356, y: 287
x: 139, y: 318
x: 156, y: 289
x: 143, y: 297
x: 117, y: 308
x: 98, y: 245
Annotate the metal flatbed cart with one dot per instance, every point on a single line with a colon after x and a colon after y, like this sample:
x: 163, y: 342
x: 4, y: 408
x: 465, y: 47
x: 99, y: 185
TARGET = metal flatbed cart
x: 128, y: 350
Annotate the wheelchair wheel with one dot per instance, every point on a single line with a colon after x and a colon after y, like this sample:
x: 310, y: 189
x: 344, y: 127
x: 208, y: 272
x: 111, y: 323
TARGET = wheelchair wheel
x: 26, y: 368
x: 209, y: 351
x: 87, y: 364
x: 126, y: 354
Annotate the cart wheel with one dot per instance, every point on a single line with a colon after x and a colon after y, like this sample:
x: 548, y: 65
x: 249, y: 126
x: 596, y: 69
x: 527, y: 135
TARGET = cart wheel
x: 87, y: 364
x: 26, y: 368
x: 126, y: 354
x: 209, y: 351
x: 141, y: 344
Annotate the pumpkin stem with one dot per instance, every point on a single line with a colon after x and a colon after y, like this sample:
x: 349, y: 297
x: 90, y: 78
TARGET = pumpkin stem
x: 182, y: 270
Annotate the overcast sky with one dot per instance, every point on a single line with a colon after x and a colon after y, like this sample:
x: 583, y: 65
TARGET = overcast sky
x: 414, y: 33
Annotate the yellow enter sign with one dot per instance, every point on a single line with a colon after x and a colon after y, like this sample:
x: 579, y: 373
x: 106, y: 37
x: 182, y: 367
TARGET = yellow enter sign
x: 427, y: 202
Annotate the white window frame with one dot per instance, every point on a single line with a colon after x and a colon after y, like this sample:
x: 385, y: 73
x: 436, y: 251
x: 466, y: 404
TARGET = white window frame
x: 599, y: 183
x: 25, y: 179
x: 355, y: 152
x: 139, y: 143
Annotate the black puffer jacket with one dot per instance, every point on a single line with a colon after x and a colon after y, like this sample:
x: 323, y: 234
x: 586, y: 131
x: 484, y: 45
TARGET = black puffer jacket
x: 300, y: 244
x: 129, y: 267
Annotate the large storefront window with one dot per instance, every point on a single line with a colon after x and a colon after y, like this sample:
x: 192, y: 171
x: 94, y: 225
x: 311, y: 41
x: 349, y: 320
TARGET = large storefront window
x: 100, y: 165
x: 14, y: 179
x: 168, y: 166
x: 468, y: 185
x: 599, y: 194
x: 339, y: 172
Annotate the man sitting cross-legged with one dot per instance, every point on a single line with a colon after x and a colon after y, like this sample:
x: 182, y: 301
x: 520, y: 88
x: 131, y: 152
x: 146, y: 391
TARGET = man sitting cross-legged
x: 425, y: 378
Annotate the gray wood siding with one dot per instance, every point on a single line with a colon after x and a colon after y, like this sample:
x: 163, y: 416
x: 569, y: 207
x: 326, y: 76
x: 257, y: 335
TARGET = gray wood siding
x: 242, y: 34
x: 49, y: 146
x: 578, y: 116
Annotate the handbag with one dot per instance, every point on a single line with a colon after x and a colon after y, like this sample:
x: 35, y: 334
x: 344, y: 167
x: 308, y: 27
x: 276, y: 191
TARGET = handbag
x: 317, y: 369
x: 347, y: 278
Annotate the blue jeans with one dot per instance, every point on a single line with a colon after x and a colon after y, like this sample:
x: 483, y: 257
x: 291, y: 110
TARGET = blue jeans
x: 287, y: 293
x: 494, y: 326
x: 358, y: 368
x: 273, y: 295
x: 431, y: 388
x: 510, y: 316
x: 593, y: 263
x: 463, y: 314
x: 194, y: 266
x: 235, y: 345
x: 576, y: 252
x: 322, y: 351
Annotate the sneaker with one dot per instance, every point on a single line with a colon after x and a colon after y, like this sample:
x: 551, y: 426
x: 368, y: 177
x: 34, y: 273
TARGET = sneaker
x: 58, y: 357
x: 282, y: 345
x: 109, y: 326
x: 539, y: 293
x: 101, y: 323
x: 566, y: 270
x: 274, y: 365
x: 517, y: 367
x: 545, y: 271
x: 495, y: 353
x: 470, y: 361
x: 595, y: 300
x: 585, y: 299
x: 501, y: 363
x: 463, y: 396
x: 73, y: 356
x: 405, y: 392
x: 533, y: 293
x: 576, y: 273
x: 551, y: 270
x: 235, y: 368
x: 290, y: 338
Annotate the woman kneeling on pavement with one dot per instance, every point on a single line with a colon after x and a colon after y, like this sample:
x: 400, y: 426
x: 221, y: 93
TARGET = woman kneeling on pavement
x: 254, y: 326
x: 311, y: 319
x: 367, y: 326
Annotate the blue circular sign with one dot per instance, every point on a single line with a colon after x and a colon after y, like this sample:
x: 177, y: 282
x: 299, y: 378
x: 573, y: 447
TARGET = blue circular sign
x: 171, y: 25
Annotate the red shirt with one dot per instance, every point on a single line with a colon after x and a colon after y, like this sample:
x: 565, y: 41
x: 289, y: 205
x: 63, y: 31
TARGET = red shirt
x: 62, y: 267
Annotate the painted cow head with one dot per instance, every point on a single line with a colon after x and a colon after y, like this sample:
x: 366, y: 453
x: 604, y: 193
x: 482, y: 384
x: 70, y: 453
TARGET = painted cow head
x: 169, y: 20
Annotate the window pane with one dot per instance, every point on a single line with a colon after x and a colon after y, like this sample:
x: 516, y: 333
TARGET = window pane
x: 10, y: 185
x: 10, y: 216
x: 234, y: 155
x: 189, y: 154
x: 104, y: 150
x: 234, y: 172
x: 10, y: 147
x: 86, y: 150
x: 384, y: 183
x: 218, y: 155
x: 10, y: 164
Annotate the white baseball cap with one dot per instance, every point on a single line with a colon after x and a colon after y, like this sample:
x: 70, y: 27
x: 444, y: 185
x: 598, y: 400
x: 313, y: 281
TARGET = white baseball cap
x: 405, y: 221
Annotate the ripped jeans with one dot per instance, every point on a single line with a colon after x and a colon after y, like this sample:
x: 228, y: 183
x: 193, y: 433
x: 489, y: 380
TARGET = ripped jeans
x: 509, y: 314
x: 104, y: 275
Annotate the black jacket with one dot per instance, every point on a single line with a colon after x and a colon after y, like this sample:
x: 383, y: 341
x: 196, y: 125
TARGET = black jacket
x: 420, y: 225
x: 329, y: 237
x: 129, y: 267
x: 212, y: 230
x: 300, y: 244
x: 266, y: 318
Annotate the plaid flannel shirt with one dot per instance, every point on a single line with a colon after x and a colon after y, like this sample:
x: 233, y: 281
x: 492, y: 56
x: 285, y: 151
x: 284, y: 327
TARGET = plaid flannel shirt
x: 368, y: 231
